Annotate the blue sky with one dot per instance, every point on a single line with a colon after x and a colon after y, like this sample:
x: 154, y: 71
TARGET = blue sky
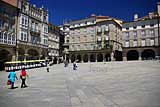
x: 60, y: 10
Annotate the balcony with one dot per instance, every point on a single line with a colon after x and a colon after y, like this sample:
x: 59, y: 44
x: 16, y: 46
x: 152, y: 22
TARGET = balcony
x: 35, y: 32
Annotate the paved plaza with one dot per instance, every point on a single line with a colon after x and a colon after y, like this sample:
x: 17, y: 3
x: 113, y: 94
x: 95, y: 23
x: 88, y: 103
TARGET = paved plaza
x: 111, y: 84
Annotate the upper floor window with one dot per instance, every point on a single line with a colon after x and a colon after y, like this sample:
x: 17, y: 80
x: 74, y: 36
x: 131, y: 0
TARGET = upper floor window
x: 127, y: 28
x: 152, y: 32
x: 143, y: 43
x: 151, y: 25
x: 143, y: 33
x: 46, y: 28
x: 127, y: 35
x: 23, y: 36
x: 143, y: 26
x: 152, y: 42
x: 135, y: 35
x: 134, y: 27
x: 126, y: 43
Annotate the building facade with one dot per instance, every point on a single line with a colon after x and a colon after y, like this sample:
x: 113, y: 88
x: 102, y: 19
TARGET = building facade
x: 32, y: 38
x: 23, y: 31
x: 53, y: 43
x: 8, y: 32
x: 93, y: 39
x: 141, y: 38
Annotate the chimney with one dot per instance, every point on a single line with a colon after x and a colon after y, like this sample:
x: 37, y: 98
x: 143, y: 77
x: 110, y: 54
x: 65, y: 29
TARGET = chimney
x: 135, y: 17
x: 158, y: 8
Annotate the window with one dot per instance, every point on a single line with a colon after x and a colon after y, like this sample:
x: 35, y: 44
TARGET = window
x: 134, y: 27
x: 45, y: 40
x: 92, y: 46
x: 151, y: 25
x: 24, y: 36
x: 152, y: 33
x: 45, y: 28
x: 1, y: 37
x: 127, y: 28
x: 9, y: 39
x: 143, y: 26
x: 127, y: 35
x: 135, y: 35
x: 151, y: 42
x: 135, y: 43
x: 5, y: 38
x: 143, y: 43
x: 13, y: 39
x: 143, y: 33
x: 127, y: 44
x: 78, y: 47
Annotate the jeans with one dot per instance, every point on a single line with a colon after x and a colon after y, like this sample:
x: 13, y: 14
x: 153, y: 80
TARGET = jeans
x: 12, y: 85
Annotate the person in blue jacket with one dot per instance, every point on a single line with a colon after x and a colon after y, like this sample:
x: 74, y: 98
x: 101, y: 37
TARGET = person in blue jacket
x: 12, y: 76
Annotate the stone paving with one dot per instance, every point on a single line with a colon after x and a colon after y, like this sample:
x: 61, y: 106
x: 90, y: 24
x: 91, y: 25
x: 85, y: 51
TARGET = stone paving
x: 114, y: 84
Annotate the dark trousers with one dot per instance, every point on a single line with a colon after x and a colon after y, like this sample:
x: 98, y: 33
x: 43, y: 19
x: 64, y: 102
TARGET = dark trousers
x: 23, y: 83
x: 12, y: 85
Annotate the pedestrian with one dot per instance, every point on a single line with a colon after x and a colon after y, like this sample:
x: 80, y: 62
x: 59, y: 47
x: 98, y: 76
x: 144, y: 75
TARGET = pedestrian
x: 23, y: 76
x: 47, y: 67
x: 12, y: 75
x: 74, y: 66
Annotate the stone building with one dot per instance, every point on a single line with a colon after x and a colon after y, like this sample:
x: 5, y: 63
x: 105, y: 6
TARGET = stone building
x: 97, y: 38
x: 32, y: 38
x: 141, y: 38
x: 23, y: 31
x: 8, y: 31
x: 53, y: 43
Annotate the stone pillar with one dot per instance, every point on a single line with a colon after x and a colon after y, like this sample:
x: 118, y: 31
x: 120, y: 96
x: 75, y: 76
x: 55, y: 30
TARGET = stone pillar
x: 139, y: 56
x: 104, y: 60
x: 88, y: 57
x: 96, y: 57
x: 13, y: 58
x: 112, y: 56
x: 124, y: 58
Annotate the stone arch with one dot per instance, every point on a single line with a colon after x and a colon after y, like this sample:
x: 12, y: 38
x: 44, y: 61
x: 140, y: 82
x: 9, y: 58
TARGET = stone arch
x: 148, y: 54
x: 33, y: 54
x: 108, y: 57
x: 92, y: 58
x: 118, y: 55
x: 5, y: 56
x: 132, y: 55
x: 99, y: 57
x: 79, y: 58
x: 85, y: 58
x: 73, y: 58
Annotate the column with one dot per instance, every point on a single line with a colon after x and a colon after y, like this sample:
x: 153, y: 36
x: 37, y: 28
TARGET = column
x: 112, y: 56
x: 104, y: 60
x: 139, y: 56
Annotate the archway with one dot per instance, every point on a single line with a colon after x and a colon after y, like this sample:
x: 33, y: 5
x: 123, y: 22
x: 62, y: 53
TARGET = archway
x: 118, y: 55
x: 33, y: 54
x: 55, y: 60
x: 132, y: 55
x: 73, y: 58
x: 79, y: 58
x: 148, y: 54
x: 100, y: 58
x: 108, y: 57
x: 92, y: 58
x: 85, y: 58
x: 4, y: 57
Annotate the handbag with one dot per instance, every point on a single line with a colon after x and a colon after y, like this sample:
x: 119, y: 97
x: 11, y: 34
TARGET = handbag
x: 8, y: 82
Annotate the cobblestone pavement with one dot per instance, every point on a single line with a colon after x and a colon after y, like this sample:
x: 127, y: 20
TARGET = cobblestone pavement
x: 114, y: 84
